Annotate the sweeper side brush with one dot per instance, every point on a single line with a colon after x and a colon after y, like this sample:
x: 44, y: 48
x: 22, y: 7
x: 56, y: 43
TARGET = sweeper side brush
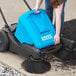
x: 37, y: 67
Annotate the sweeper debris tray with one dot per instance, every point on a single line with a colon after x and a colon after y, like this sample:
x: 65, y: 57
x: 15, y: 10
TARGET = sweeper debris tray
x: 36, y: 29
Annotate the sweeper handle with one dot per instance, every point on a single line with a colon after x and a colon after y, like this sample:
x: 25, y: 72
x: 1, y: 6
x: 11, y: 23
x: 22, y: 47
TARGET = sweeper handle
x: 27, y: 4
x: 3, y: 17
x: 6, y: 24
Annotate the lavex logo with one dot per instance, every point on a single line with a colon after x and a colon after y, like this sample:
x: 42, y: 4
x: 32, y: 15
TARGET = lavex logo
x: 46, y: 37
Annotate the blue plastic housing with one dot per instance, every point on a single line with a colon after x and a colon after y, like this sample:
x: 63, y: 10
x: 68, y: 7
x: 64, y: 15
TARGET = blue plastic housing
x: 35, y: 29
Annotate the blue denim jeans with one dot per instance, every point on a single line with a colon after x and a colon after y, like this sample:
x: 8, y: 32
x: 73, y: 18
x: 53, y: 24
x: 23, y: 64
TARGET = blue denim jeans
x: 49, y: 11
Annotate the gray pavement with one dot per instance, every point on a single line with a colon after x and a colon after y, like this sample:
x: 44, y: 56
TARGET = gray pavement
x: 12, y: 10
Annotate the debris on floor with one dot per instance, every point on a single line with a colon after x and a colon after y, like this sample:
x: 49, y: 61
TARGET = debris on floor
x: 8, y: 71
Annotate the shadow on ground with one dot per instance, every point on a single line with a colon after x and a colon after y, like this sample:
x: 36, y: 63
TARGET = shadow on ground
x: 69, y: 30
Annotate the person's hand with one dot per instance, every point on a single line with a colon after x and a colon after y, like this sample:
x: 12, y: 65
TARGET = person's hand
x: 36, y: 10
x: 57, y: 39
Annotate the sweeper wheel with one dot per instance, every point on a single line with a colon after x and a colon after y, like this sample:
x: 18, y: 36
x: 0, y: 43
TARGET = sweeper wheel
x: 4, y: 42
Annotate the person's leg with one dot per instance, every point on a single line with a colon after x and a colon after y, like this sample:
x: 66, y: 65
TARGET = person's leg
x: 62, y: 17
x: 49, y: 9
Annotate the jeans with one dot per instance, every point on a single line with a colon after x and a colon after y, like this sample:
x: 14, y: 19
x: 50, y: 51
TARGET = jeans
x: 49, y: 11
